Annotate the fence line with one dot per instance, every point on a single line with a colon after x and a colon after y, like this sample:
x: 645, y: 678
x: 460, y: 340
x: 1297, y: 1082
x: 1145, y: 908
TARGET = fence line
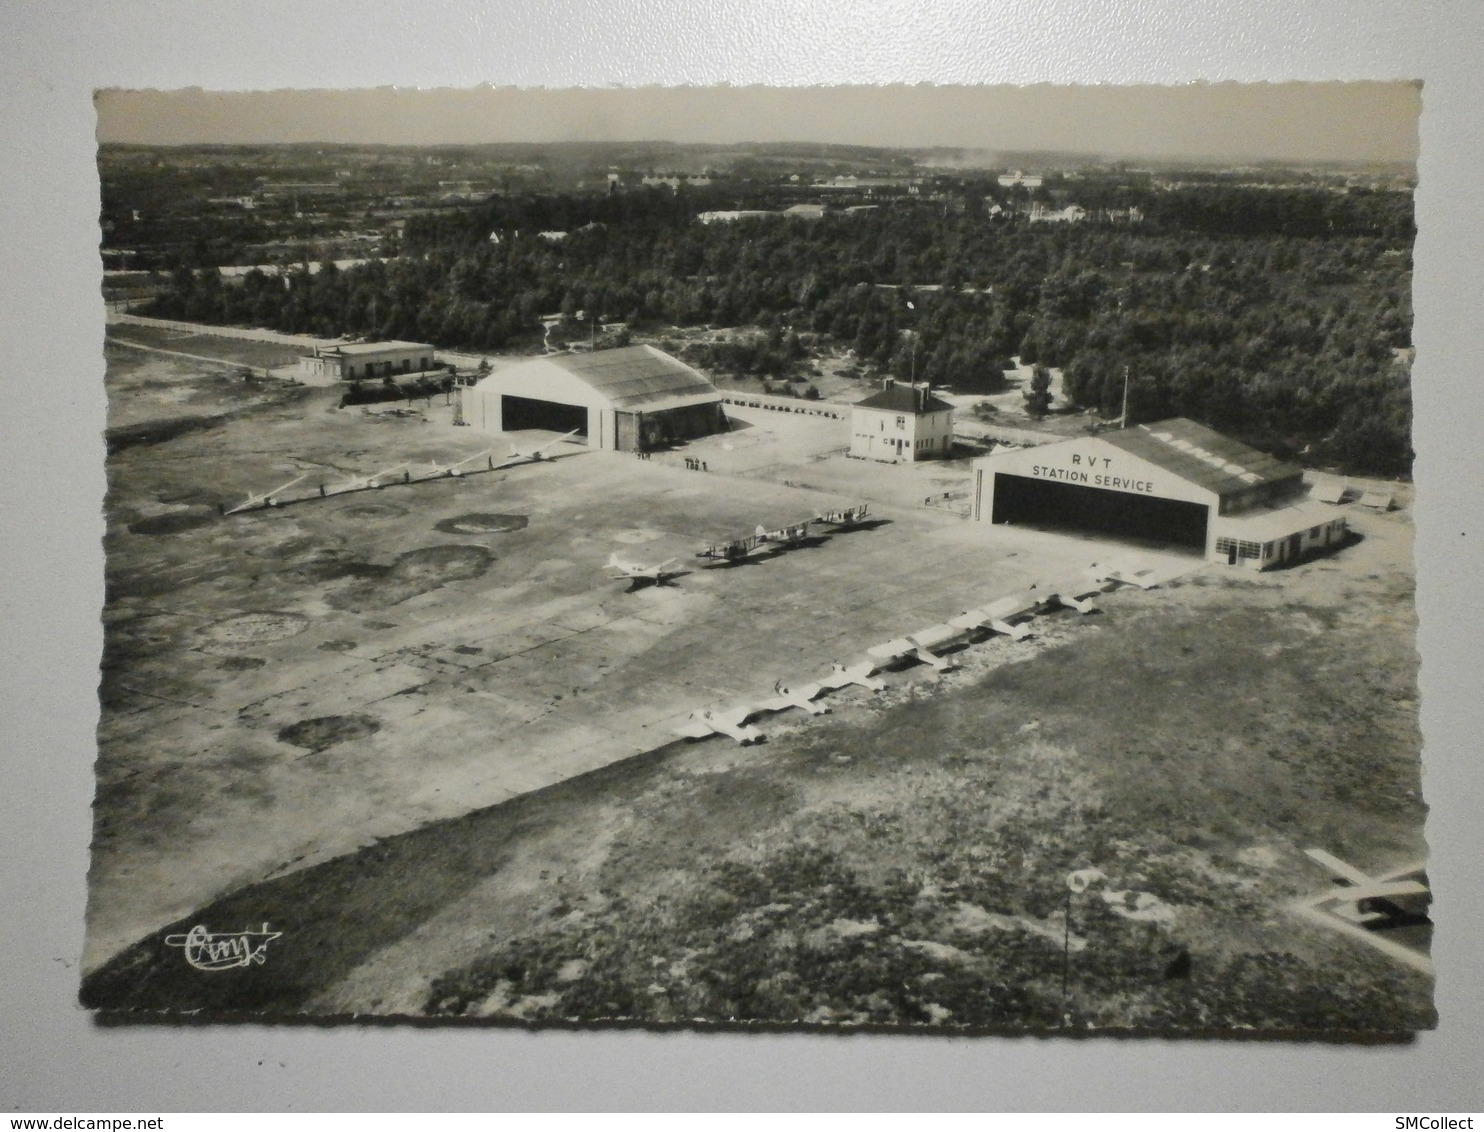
x: 832, y: 409
x: 250, y: 334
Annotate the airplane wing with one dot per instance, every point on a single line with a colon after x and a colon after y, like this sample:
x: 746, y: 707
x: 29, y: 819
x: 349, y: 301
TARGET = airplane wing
x: 1014, y: 605
x: 1338, y: 867
x: 1072, y: 586
x: 892, y: 650
x: 1069, y: 599
x: 970, y: 620
x: 1131, y: 574
x: 864, y: 675
x: 927, y: 656
x: 733, y: 723
x: 772, y: 703
x: 733, y: 716
x: 1015, y: 631
x: 554, y: 443
x: 935, y: 636
x: 841, y: 677
x: 695, y: 729
x: 1381, y: 889
x: 262, y: 500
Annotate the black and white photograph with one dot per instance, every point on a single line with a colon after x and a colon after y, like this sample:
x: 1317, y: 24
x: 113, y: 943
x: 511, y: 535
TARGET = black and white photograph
x: 909, y: 559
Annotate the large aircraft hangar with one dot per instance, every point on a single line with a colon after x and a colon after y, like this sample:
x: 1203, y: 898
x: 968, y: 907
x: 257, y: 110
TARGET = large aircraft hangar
x: 1174, y: 482
x: 631, y: 399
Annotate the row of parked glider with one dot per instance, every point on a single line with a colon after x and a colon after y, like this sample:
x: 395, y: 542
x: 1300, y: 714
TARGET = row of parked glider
x: 403, y: 473
x: 1007, y: 616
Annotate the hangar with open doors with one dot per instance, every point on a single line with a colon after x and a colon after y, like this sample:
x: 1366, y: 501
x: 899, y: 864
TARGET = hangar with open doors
x: 518, y: 413
x: 1175, y: 483
x: 630, y: 399
x: 1037, y: 502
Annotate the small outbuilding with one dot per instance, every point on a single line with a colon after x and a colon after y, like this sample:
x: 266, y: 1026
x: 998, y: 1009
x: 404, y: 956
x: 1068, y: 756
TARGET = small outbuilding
x: 1175, y: 482
x: 901, y: 424
x: 364, y: 361
x: 629, y: 399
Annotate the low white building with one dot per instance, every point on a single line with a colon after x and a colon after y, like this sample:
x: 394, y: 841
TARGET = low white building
x: 366, y: 361
x: 1010, y: 180
x: 901, y: 424
x: 1071, y: 214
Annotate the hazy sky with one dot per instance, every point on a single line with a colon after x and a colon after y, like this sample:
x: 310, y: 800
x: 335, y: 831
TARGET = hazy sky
x: 1287, y: 121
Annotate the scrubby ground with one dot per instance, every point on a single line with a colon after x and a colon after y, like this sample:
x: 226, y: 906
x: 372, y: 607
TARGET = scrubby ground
x: 909, y: 863
x: 906, y: 860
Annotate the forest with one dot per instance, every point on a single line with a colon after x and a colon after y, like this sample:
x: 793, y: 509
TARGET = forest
x: 1281, y: 316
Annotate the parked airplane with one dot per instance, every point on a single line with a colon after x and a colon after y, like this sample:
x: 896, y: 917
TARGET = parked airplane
x: 1363, y: 906
x: 1355, y: 901
x: 732, y: 723
x: 1002, y: 616
x: 845, y: 518
x: 1074, y: 597
x: 737, y: 550
x: 862, y: 674
x: 919, y: 646
x: 1125, y: 573
x: 456, y: 469
x: 362, y: 483
x: 266, y: 499
x: 788, y: 536
x: 656, y: 574
x: 801, y: 697
x: 1073, y: 601
x: 538, y: 453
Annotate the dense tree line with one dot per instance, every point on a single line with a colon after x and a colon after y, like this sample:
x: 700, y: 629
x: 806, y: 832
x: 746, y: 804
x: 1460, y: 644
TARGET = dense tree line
x: 1283, y: 324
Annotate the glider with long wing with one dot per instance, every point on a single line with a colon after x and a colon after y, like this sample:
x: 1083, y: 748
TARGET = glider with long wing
x: 732, y: 723
x: 920, y: 646
x: 801, y: 697
x: 862, y: 675
x: 267, y: 498
x: 535, y: 455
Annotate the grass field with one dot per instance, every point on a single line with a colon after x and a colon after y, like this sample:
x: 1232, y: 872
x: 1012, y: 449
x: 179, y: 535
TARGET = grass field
x: 905, y: 861
x: 237, y: 351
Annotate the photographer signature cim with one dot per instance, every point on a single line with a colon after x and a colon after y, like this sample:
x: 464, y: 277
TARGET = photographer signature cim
x: 223, y: 951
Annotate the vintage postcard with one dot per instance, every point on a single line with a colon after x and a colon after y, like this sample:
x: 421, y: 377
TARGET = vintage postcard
x: 929, y: 559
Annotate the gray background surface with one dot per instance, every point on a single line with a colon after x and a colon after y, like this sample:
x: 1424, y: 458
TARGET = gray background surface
x: 54, y: 1058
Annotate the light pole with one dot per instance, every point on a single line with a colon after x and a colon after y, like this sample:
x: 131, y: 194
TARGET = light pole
x: 912, y: 338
